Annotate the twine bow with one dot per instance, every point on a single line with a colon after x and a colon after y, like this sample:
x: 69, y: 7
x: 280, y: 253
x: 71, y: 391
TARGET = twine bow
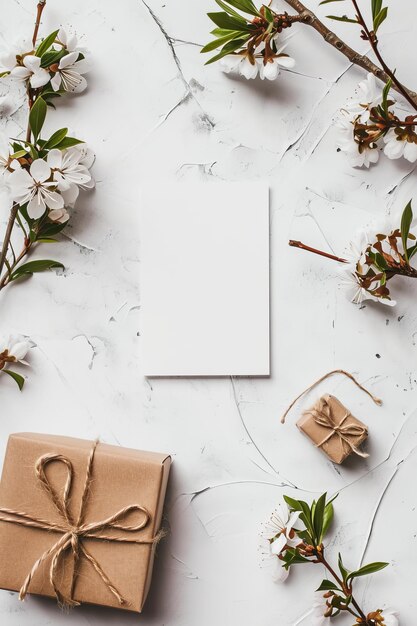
x: 323, y: 416
x: 74, y: 531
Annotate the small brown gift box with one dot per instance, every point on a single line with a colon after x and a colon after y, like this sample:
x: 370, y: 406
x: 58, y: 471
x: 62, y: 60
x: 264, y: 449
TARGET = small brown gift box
x: 102, y: 555
x: 333, y: 429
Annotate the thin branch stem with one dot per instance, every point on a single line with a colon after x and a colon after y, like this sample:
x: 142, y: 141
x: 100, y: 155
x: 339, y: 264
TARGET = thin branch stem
x: 346, y: 590
x: 4, y: 281
x: 374, y: 44
x: 15, y: 207
x: 309, y: 18
x: 302, y: 246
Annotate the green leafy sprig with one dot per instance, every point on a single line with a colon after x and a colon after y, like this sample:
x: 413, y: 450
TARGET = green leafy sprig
x: 314, y: 521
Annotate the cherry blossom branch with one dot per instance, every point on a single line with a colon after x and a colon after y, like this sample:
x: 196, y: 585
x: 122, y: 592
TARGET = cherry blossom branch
x: 15, y: 207
x: 384, y: 74
x: 373, y: 40
x: 302, y: 246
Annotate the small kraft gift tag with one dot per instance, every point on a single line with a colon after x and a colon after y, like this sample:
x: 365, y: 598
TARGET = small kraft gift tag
x: 331, y: 426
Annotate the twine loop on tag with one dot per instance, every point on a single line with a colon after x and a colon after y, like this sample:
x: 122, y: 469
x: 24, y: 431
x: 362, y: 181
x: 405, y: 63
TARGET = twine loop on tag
x: 323, y: 416
x: 377, y: 401
x: 74, y: 531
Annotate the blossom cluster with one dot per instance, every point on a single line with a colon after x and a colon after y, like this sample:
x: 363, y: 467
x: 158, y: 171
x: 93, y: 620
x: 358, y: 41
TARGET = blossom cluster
x: 369, y: 123
x: 57, y: 61
x: 41, y: 177
x: 294, y: 535
x: 249, y: 46
x: 13, y: 350
x: 378, y: 254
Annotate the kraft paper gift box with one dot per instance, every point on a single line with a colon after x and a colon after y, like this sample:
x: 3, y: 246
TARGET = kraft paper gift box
x: 333, y: 429
x: 105, y: 556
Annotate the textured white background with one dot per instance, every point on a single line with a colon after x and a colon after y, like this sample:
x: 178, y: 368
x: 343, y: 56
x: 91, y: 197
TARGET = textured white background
x: 154, y: 112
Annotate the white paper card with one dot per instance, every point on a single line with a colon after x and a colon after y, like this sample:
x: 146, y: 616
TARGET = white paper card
x: 205, y: 279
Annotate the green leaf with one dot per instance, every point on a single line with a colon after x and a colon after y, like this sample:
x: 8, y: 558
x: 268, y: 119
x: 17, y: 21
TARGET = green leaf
x: 342, y: 18
x: 51, y: 57
x: 230, y: 11
x: 327, y: 585
x: 18, y: 154
x: 411, y: 251
x: 46, y: 44
x: 19, y: 380
x: 27, y: 269
x: 381, y: 17
x: 229, y: 23
x: 230, y: 47
x: 371, y: 568
x: 376, y: 7
x: 217, y: 43
x: 406, y: 219
x: 50, y: 229
x: 318, y: 517
x: 37, y: 116
x: 68, y: 142
x: 247, y: 6
x: 305, y: 517
x: 327, y: 518
x: 342, y: 569
x: 328, y: 1
x: 55, y: 139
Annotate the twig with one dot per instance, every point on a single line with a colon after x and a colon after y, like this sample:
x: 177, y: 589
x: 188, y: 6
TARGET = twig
x: 371, y: 37
x: 309, y: 18
x: 15, y: 207
x: 302, y: 246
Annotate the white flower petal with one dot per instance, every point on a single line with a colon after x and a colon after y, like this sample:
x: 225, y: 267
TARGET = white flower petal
x: 20, y: 349
x: 410, y: 152
x: 68, y: 59
x: 40, y: 78
x: 32, y: 62
x: 20, y: 73
x: 54, y: 200
x: 54, y: 158
x: 230, y: 62
x: 56, y: 81
x: 287, y: 62
x: 278, y: 544
x: 36, y: 207
x: 247, y: 69
x: 40, y: 170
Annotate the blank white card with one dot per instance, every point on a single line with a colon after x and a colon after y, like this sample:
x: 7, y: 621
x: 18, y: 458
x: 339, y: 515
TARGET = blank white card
x: 205, y: 279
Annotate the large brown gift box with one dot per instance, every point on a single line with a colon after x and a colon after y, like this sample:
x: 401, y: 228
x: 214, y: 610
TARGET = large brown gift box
x: 103, y: 556
x: 333, y: 429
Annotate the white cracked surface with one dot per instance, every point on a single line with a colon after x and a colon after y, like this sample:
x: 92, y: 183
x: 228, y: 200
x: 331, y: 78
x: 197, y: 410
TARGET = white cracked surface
x: 154, y: 112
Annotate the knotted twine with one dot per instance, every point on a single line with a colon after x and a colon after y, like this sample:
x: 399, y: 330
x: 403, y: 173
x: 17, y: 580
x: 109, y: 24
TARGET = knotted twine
x: 323, y: 416
x: 73, y: 531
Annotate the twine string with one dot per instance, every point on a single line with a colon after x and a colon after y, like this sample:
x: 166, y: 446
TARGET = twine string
x: 377, y: 401
x: 74, y: 532
x: 323, y: 416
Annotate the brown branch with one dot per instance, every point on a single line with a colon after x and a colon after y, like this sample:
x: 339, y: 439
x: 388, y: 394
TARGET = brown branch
x: 6, y: 277
x: 302, y: 246
x: 15, y: 207
x: 309, y: 18
x: 371, y: 37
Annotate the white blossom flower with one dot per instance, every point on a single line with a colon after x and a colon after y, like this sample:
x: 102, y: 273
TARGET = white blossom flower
x: 36, y: 188
x: 368, y: 96
x: 69, y: 73
x: 241, y: 64
x: 320, y: 609
x: 67, y: 169
x: 396, y: 147
x: 13, y: 349
x: 346, y: 143
x: 67, y: 40
x: 279, y: 534
x: 271, y: 70
x: 32, y: 70
x: 58, y: 216
x: 70, y: 171
x: 355, y: 292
